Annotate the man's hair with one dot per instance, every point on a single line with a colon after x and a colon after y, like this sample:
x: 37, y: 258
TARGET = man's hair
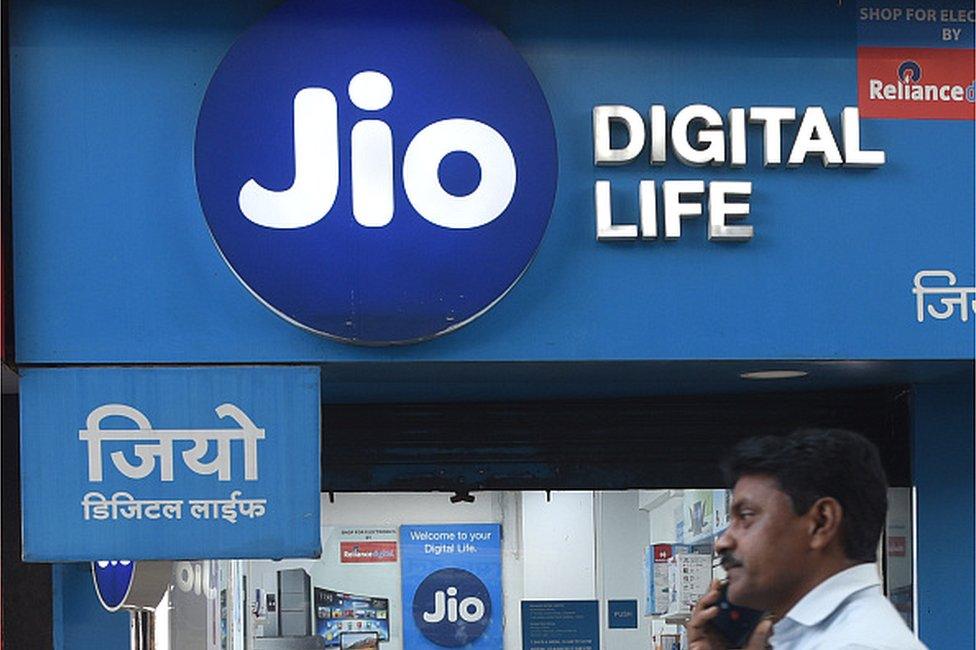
x: 810, y: 464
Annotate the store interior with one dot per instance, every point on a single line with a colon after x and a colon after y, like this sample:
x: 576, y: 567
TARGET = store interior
x: 645, y: 549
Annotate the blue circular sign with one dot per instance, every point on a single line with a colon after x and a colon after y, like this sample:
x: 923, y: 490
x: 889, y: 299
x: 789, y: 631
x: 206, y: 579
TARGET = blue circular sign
x: 452, y: 607
x: 376, y: 172
x: 113, y: 579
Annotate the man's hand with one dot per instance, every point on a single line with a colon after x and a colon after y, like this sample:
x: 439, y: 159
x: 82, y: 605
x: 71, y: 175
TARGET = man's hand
x: 760, y: 636
x: 701, y: 635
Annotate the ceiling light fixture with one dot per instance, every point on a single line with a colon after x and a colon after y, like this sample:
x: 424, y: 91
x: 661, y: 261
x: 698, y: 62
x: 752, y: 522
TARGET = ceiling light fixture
x: 774, y: 374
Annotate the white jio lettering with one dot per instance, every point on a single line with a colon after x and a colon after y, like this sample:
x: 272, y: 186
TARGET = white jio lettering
x: 191, y: 578
x: 470, y: 610
x: 316, y: 141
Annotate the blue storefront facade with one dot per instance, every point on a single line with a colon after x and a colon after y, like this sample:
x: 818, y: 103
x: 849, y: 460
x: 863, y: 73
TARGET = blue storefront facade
x: 518, y: 203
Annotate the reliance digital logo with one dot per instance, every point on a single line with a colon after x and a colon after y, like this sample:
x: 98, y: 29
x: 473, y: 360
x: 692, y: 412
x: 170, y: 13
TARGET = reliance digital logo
x: 376, y: 172
x: 909, y: 87
x: 910, y: 72
x: 452, y: 607
x: 916, y: 83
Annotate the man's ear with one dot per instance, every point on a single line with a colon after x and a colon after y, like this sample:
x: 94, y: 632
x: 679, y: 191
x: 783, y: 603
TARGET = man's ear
x: 825, y: 518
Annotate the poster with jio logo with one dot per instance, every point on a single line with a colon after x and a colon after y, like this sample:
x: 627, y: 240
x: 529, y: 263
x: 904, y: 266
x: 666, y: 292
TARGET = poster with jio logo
x: 452, y: 586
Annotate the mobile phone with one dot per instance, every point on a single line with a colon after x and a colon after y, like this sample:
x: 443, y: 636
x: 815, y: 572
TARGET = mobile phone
x: 734, y: 623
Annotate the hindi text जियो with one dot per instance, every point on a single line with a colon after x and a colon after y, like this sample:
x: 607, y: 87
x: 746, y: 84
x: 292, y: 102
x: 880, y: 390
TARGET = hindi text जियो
x: 161, y: 444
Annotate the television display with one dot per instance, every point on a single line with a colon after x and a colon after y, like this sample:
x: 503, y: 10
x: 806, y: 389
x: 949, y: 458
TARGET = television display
x: 359, y: 641
x: 338, y: 614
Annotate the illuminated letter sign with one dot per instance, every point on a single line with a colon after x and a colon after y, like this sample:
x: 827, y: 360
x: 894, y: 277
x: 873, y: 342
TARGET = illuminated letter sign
x: 376, y: 172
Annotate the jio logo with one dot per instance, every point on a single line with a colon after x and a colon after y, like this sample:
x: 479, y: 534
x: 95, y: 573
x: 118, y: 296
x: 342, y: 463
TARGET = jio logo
x: 452, y: 607
x: 113, y: 579
x: 376, y: 172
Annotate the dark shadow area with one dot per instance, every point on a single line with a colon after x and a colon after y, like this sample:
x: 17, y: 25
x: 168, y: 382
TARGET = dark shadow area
x: 26, y: 597
x: 664, y: 442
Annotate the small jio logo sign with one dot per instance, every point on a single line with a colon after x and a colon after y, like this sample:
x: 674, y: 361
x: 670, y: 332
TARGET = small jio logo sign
x: 376, y: 172
x: 113, y: 579
x: 452, y: 607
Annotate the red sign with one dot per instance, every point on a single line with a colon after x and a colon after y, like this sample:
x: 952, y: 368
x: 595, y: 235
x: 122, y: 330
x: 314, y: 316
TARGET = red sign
x: 662, y: 552
x: 896, y: 546
x: 916, y: 83
x: 367, y: 552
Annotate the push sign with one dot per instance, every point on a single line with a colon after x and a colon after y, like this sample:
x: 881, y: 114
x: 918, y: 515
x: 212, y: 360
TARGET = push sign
x: 375, y: 172
x: 622, y: 614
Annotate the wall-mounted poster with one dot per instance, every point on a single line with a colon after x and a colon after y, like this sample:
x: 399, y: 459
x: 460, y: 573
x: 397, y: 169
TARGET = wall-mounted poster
x: 658, y: 597
x: 367, y: 545
x: 698, y: 514
x: 548, y: 624
x: 452, y: 586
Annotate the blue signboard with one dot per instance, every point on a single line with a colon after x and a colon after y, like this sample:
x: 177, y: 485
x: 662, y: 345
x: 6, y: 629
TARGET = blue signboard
x: 832, y: 262
x: 443, y: 188
x: 452, y: 586
x: 170, y: 463
x: 549, y: 624
x: 621, y: 614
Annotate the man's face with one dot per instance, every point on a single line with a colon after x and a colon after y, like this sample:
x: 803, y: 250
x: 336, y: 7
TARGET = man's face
x: 765, y: 545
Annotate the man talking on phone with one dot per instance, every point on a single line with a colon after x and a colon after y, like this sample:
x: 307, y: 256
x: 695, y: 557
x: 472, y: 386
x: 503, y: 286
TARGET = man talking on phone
x: 807, y: 513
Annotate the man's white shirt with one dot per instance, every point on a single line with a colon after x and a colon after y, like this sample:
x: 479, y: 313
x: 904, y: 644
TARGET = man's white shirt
x: 845, y: 612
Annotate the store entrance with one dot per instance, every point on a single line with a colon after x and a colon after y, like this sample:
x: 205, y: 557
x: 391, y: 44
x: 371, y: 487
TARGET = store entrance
x: 584, y: 524
x: 612, y: 570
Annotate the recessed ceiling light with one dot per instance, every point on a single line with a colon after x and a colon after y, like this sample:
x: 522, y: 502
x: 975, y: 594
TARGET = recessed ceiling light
x: 774, y: 374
